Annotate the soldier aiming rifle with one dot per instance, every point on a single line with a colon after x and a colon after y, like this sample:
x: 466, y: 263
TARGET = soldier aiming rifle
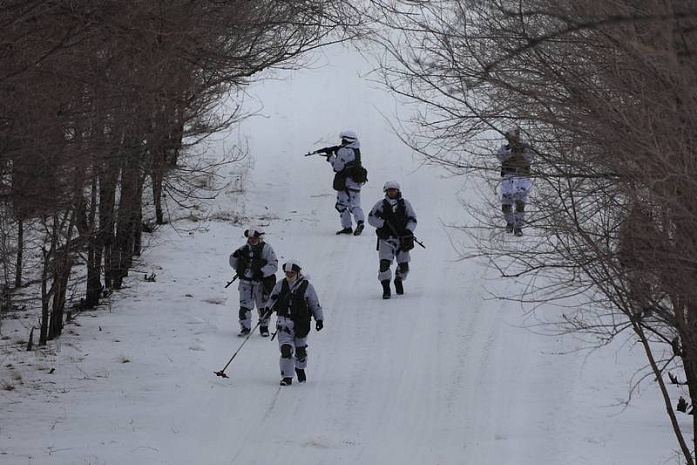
x: 349, y: 177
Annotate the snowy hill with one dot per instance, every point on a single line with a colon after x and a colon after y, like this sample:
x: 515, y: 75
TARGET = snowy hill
x: 442, y: 375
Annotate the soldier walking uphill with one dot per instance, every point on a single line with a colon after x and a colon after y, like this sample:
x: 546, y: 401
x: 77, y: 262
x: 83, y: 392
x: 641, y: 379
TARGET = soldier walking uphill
x: 295, y: 302
x: 395, y: 221
x: 515, y: 158
x: 347, y: 183
x: 256, y: 265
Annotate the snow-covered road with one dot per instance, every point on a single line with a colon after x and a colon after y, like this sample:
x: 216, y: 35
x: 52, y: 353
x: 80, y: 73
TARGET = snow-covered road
x: 442, y: 375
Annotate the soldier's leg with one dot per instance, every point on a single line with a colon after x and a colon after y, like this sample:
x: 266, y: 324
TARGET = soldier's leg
x: 401, y: 271
x: 246, y: 304
x: 286, y: 346
x: 342, y: 206
x: 301, y: 353
x: 403, y: 258
x: 355, y: 206
x: 522, y: 186
x: 507, y: 200
x: 259, y: 300
x: 386, y: 254
x: 301, y: 359
x: 519, y: 215
x: 245, y: 319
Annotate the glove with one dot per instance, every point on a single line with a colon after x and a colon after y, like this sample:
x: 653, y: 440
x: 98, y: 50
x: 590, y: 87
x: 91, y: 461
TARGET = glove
x: 319, y: 325
x: 258, y: 276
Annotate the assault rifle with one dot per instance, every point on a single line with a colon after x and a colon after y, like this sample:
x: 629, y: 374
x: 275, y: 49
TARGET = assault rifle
x: 394, y: 231
x: 325, y: 151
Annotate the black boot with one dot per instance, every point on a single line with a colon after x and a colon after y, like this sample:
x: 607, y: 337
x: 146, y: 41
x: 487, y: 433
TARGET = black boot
x: 301, y: 375
x: 264, y: 331
x: 286, y: 381
x: 345, y: 231
x: 359, y: 229
x: 518, y: 232
x: 386, y: 293
x: 398, y: 287
x: 509, y: 227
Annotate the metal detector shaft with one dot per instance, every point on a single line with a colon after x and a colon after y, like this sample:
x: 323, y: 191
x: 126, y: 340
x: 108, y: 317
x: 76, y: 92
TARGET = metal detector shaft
x: 233, y: 280
x: 221, y: 373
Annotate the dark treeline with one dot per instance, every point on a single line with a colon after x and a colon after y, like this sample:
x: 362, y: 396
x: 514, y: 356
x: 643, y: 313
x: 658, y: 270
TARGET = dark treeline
x: 98, y: 101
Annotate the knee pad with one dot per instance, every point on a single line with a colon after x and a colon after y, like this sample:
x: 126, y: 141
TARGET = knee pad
x: 519, y: 206
x: 507, y: 208
x: 286, y: 351
x: 403, y: 267
x: 340, y: 207
x: 243, y: 313
x: 384, y: 265
x: 301, y: 353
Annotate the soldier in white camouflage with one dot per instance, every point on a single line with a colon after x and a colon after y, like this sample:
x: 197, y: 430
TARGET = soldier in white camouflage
x: 515, y: 157
x: 256, y: 265
x: 395, y: 222
x: 295, y: 302
x: 348, y: 189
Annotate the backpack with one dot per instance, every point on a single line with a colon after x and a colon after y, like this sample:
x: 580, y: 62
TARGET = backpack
x: 358, y: 172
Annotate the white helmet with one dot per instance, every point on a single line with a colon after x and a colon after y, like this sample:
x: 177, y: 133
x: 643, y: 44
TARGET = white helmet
x: 292, y: 265
x: 391, y: 185
x: 254, y: 231
x: 348, y: 135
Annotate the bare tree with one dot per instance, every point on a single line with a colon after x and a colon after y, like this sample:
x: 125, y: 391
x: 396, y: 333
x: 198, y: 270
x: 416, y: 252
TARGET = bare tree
x: 603, y: 91
x: 101, y: 100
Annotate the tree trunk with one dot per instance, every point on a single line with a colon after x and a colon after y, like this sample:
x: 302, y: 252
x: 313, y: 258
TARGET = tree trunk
x: 175, y: 138
x: 45, y: 298
x: 61, y: 274
x: 138, y: 217
x: 157, y: 176
x: 94, y: 254
x: 107, y: 215
x: 62, y: 265
x: 126, y: 228
x: 20, y: 253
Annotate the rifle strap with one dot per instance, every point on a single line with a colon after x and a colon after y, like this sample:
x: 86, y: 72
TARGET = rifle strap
x: 357, y: 156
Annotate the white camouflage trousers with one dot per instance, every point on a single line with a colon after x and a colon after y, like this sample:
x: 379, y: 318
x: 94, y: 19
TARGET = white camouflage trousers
x: 251, y: 294
x: 514, y: 192
x: 294, y: 355
x: 348, y: 202
x: 389, y: 250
